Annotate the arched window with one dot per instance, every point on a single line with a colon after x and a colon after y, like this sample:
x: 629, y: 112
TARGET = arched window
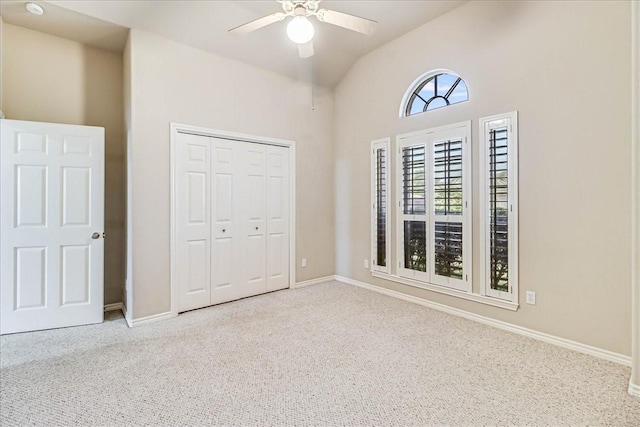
x: 433, y: 90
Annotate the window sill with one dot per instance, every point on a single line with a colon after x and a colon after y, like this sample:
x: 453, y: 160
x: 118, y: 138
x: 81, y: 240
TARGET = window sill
x: 452, y: 292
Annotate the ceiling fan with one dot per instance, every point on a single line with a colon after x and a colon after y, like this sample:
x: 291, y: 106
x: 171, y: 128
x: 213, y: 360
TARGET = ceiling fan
x: 300, y: 30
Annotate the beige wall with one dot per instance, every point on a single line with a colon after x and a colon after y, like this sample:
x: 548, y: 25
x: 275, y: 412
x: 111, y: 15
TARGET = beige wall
x: 50, y: 79
x: 171, y: 82
x: 565, y: 66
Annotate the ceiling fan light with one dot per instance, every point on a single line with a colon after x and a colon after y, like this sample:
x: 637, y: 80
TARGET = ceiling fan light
x: 300, y: 30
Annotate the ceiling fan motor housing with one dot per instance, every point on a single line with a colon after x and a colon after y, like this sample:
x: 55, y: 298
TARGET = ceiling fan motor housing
x: 300, y: 8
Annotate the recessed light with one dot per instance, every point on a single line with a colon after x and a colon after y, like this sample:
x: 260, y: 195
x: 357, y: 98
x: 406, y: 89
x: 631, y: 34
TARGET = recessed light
x: 35, y: 9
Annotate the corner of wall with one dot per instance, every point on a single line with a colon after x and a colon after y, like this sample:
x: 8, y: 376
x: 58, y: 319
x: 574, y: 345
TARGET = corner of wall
x: 1, y: 64
x: 127, y: 297
x: 634, y: 383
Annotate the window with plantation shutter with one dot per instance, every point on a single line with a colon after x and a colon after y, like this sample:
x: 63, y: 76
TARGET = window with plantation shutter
x: 380, y: 245
x: 499, y: 206
x: 451, y: 219
x: 413, y: 215
x: 434, y: 218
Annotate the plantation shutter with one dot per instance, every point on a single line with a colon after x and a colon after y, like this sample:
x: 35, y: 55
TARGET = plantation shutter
x: 448, y: 229
x: 380, y: 249
x: 499, y: 206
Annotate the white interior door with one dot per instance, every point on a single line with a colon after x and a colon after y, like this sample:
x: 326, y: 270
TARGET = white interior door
x: 231, y: 219
x: 226, y: 234
x: 193, y: 213
x: 277, y: 218
x: 253, y: 208
x: 51, y: 225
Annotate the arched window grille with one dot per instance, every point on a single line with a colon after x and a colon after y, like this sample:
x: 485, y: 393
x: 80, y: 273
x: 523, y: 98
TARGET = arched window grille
x: 434, y: 90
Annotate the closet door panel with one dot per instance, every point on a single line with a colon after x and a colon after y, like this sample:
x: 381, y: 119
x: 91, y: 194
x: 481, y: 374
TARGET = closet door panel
x: 277, y: 218
x: 193, y: 165
x: 254, y: 217
x: 225, y: 249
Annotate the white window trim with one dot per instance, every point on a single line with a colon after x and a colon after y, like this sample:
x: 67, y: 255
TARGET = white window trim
x: 485, y: 124
x: 380, y: 144
x: 427, y: 138
x: 470, y: 296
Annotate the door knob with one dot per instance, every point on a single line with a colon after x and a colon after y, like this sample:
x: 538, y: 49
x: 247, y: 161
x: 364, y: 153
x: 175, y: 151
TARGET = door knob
x: 95, y: 236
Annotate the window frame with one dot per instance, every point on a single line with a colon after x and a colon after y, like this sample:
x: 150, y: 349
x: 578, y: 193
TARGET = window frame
x: 419, y: 82
x: 376, y: 145
x: 428, y: 138
x: 486, y: 124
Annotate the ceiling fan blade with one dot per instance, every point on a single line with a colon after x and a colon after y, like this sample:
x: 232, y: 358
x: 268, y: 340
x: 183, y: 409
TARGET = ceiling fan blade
x: 305, y: 50
x: 258, y: 23
x: 344, y: 20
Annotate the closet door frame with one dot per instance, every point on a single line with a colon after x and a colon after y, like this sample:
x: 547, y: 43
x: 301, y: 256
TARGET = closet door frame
x: 177, y: 128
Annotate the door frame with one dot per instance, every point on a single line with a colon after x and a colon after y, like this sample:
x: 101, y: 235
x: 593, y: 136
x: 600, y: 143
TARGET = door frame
x: 177, y: 128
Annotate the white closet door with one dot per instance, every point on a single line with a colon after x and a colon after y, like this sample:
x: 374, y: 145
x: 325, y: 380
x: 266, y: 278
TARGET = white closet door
x: 277, y: 218
x: 253, y: 208
x: 231, y: 219
x: 193, y: 220
x: 52, y: 223
x: 226, y: 273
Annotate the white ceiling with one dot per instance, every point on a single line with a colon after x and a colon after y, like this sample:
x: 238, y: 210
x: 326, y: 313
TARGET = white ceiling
x: 66, y: 24
x: 204, y: 24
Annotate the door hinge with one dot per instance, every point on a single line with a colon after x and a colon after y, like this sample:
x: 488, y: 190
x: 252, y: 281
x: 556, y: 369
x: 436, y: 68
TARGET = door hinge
x: 466, y: 277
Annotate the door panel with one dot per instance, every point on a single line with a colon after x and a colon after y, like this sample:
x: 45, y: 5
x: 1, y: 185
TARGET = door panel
x: 52, y: 201
x: 224, y: 196
x: 30, y: 142
x: 31, y: 189
x: 222, y: 266
x: 76, y: 266
x: 193, y: 229
x: 253, y: 208
x: 77, y: 145
x: 197, y: 198
x: 76, y: 194
x: 30, y: 277
x: 225, y: 276
x: 278, y: 218
x: 198, y: 266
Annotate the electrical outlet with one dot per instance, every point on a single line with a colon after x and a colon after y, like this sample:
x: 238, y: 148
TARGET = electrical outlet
x: 366, y: 263
x: 531, y: 297
x: 304, y: 262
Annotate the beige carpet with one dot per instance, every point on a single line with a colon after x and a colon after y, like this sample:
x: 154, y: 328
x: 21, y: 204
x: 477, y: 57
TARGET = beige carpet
x: 328, y: 354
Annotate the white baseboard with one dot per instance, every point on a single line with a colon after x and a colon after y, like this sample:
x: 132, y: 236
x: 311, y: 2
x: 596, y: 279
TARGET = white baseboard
x: 150, y: 319
x: 551, y: 339
x: 314, y: 281
x: 113, y: 307
x: 634, y: 390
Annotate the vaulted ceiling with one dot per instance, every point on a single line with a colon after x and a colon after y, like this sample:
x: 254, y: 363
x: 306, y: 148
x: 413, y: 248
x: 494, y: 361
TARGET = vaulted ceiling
x: 205, y: 25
